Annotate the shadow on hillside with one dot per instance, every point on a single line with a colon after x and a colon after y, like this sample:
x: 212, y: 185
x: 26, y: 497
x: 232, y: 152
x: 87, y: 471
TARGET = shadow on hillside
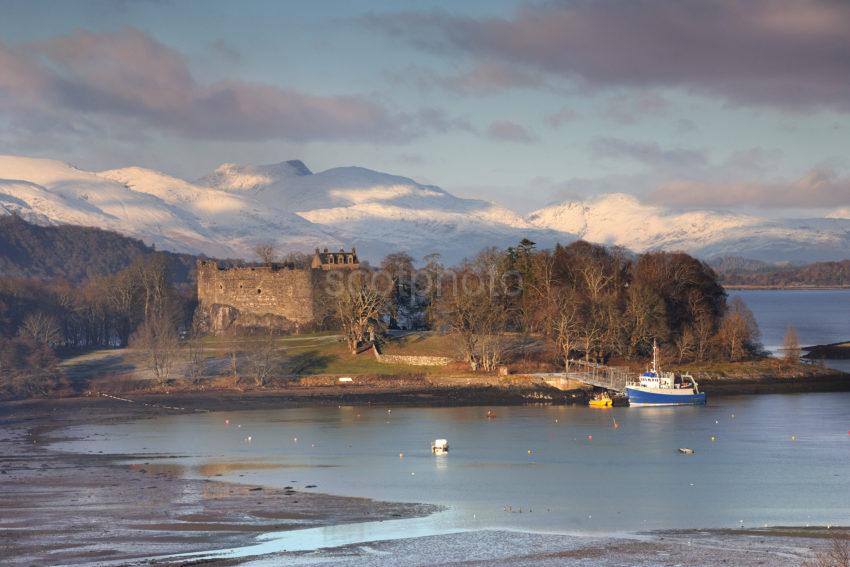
x: 310, y: 362
x: 80, y: 374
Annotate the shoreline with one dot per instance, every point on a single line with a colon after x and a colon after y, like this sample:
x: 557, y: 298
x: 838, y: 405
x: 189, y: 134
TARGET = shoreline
x: 159, y: 513
x: 93, y: 508
x: 785, y: 287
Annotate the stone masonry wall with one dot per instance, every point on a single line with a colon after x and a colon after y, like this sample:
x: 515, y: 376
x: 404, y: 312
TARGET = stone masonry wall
x: 411, y: 360
x: 263, y: 290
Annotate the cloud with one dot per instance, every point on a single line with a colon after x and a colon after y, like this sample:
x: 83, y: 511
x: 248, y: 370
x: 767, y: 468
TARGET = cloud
x: 558, y: 119
x: 226, y: 50
x: 490, y: 78
x: 820, y: 187
x: 480, y: 79
x: 649, y: 153
x: 791, y: 54
x: 506, y: 131
x: 130, y: 75
x: 632, y: 107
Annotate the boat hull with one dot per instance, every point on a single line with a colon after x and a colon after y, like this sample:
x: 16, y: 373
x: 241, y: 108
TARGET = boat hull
x: 640, y: 396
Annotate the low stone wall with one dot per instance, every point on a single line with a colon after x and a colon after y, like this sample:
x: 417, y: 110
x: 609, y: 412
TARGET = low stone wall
x: 412, y: 360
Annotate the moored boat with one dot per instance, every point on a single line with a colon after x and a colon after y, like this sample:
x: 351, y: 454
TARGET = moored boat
x: 656, y: 388
x: 601, y: 401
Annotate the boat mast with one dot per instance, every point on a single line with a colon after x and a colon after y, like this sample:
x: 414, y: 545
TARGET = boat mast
x: 655, y: 359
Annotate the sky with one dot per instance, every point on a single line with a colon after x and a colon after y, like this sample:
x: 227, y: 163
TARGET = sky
x: 724, y: 104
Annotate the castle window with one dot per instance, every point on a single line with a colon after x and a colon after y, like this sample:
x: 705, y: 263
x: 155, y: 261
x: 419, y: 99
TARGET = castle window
x: 221, y: 287
x: 350, y: 259
x: 339, y: 259
x: 259, y: 291
x: 330, y: 259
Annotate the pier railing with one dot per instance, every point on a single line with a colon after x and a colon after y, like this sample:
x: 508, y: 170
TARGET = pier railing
x: 609, y: 377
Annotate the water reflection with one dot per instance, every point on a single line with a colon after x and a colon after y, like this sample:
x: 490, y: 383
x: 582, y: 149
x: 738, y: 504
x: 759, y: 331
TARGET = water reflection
x: 779, y: 459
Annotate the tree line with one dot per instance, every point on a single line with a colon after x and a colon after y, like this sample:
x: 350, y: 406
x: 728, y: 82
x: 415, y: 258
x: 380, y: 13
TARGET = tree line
x: 819, y: 274
x: 584, y: 300
x: 40, y: 319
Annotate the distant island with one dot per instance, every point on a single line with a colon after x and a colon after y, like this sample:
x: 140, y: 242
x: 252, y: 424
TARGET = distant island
x: 743, y: 272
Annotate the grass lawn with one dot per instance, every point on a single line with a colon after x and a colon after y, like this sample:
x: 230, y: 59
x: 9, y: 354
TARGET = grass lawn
x: 317, y: 353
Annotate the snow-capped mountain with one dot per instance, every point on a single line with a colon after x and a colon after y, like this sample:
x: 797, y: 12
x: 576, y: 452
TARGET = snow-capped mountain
x: 623, y: 220
x: 167, y: 212
x: 228, y: 212
x: 234, y: 208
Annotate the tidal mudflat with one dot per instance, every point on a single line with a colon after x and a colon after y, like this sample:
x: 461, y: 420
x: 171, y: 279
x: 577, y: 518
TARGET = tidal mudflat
x: 111, y: 482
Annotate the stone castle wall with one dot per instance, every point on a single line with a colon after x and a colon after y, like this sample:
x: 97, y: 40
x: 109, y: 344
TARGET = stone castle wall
x: 271, y: 295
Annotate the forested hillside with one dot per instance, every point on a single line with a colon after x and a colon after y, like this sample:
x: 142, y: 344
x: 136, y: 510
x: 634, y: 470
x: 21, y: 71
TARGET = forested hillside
x: 74, y: 253
x: 818, y: 274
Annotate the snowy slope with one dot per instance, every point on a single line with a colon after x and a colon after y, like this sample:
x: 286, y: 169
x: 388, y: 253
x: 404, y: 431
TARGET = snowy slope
x: 623, y: 220
x: 229, y: 211
x: 381, y: 213
x: 156, y: 208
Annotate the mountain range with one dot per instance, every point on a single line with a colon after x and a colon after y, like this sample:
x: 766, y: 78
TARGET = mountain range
x: 232, y: 209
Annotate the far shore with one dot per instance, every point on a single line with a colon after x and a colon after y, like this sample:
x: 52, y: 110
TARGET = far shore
x: 785, y: 287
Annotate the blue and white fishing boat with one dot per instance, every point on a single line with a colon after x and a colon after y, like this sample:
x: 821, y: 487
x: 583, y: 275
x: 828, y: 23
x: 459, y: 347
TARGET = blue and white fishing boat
x: 656, y: 388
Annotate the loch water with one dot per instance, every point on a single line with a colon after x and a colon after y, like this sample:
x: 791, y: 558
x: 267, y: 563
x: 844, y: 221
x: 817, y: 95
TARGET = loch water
x: 762, y: 460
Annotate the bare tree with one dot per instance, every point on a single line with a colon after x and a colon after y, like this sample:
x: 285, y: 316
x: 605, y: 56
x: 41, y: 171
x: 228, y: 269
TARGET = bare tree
x: 738, y: 331
x: 265, y: 252
x: 566, y: 326
x: 42, y: 328
x: 791, y: 345
x: 196, y: 363
x: 646, y: 318
x: 263, y: 356
x: 157, y: 339
x: 492, y: 341
x: 703, y: 334
x: 686, y: 344
x: 471, y: 309
x: 122, y: 295
x: 153, y: 277
x: 360, y: 308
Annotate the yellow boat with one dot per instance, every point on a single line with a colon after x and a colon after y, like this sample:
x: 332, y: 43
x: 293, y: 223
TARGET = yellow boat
x: 602, y: 402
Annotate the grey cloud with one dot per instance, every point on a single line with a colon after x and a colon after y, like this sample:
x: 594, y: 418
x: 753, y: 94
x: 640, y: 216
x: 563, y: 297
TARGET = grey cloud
x: 791, y: 54
x: 131, y: 75
x: 507, y: 131
x: 648, y: 153
x: 632, y: 107
x: 820, y: 187
x: 558, y: 119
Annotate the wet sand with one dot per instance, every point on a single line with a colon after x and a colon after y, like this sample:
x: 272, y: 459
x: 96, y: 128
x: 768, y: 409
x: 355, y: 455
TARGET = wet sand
x: 64, y: 508
x: 498, y: 548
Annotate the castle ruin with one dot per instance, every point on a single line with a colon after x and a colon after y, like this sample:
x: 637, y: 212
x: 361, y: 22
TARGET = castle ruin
x: 270, y: 296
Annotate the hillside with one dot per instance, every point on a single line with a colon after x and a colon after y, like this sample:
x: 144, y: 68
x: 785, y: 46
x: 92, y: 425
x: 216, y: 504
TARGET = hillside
x: 73, y: 253
x: 818, y: 274
x: 623, y: 220
x: 229, y: 211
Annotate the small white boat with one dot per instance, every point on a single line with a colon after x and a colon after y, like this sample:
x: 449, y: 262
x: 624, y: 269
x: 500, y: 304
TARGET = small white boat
x: 440, y: 446
x: 686, y: 451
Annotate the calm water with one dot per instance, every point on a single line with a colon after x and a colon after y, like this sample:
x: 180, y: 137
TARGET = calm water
x: 821, y: 316
x: 773, y: 460
x: 625, y: 478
